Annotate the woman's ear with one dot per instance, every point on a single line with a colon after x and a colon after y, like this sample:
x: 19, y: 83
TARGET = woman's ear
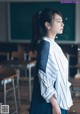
x: 47, y: 25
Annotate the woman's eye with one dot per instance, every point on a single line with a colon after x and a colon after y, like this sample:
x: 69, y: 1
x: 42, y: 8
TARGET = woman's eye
x: 59, y: 21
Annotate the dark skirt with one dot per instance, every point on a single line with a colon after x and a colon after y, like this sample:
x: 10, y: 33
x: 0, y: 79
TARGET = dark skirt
x: 38, y: 104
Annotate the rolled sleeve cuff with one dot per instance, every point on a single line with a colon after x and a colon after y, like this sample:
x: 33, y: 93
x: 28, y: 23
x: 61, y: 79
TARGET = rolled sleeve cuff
x: 48, y: 94
x: 47, y: 88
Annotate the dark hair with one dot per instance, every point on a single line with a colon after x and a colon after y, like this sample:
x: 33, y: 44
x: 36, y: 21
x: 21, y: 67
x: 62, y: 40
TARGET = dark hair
x: 47, y: 16
x: 38, y: 23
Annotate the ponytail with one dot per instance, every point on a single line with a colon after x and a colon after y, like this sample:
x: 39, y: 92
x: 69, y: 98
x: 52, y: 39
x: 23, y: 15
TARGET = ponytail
x: 35, y: 31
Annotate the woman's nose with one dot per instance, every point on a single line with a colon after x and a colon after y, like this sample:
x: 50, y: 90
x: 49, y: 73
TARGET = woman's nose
x: 62, y: 24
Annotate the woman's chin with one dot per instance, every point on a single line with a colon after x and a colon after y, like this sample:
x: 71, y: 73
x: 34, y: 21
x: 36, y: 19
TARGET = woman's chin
x: 60, y: 32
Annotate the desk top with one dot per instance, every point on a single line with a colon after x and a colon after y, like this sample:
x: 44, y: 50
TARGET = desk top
x: 17, y: 62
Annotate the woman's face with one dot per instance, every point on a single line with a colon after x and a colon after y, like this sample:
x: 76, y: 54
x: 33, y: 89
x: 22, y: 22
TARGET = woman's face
x: 57, y: 25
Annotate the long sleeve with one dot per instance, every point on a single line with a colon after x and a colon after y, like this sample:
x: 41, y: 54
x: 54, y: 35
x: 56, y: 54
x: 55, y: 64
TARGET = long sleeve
x: 47, y: 71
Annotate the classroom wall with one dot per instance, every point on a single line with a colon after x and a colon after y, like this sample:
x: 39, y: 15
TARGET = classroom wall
x: 4, y: 22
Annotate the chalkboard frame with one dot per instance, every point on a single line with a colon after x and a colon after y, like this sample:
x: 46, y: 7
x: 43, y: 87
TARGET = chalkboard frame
x: 12, y: 39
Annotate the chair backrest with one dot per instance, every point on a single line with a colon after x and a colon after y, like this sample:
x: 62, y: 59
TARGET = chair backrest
x: 19, y: 55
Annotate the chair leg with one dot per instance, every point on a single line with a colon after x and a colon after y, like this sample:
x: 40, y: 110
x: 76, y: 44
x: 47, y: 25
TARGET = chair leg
x: 4, y: 93
x: 14, y: 92
x: 30, y: 84
x: 18, y: 75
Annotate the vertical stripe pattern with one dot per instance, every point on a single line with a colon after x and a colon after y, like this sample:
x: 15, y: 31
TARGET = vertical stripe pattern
x: 53, y: 76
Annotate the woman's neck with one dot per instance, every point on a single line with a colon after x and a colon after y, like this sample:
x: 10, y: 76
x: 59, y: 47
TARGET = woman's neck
x: 51, y: 36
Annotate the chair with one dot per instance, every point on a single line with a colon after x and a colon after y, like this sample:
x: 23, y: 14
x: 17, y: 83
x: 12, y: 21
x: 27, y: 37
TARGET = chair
x: 8, y: 75
x: 21, y: 56
x: 30, y: 58
x: 17, y: 55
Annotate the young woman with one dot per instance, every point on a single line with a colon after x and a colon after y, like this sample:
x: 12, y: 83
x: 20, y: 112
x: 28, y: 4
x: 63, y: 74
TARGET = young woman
x: 51, y: 92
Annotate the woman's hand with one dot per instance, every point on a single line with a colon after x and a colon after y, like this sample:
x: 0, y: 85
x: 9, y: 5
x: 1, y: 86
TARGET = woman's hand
x: 56, y: 109
x: 55, y: 106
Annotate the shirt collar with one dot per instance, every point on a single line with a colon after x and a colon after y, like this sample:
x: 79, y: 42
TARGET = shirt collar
x: 48, y: 39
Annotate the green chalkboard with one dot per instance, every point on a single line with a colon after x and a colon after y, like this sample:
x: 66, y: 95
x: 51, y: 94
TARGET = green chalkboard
x: 21, y: 16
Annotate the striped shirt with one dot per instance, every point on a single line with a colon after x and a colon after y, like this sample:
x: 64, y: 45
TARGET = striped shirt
x: 53, y: 73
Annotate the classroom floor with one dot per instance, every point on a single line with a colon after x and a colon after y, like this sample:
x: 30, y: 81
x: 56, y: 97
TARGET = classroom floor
x: 24, y: 99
